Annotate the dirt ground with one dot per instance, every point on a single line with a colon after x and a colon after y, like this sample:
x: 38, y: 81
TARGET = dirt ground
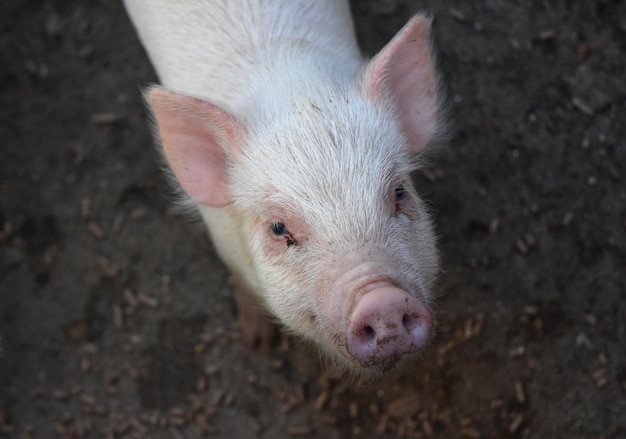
x: 116, y: 317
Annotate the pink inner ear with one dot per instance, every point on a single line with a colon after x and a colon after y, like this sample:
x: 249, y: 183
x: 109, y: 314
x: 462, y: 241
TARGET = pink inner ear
x: 404, y: 71
x: 195, y: 135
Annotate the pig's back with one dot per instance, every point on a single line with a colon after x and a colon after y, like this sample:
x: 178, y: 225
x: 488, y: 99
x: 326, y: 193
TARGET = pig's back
x: 215, y: 49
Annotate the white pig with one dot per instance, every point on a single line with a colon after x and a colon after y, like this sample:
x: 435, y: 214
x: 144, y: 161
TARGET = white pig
x: 298, y: 154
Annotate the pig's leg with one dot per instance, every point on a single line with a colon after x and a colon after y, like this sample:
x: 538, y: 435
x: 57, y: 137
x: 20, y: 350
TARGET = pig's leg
x: 257, y: 329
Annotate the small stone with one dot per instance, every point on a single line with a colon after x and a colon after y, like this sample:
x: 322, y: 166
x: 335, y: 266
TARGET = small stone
x: 404, y: 406
x: 457, y: 14
x: 582, y: 106
x: 105, y: 118
x: 546, y: 35
x: 53, y: 26
x: 300, y: 431
x: 517, y: 422
x: 494, y: 226
x: 147, y: 301
x: 520, y: 395
x: 567, y: 219
x: 95, y: 230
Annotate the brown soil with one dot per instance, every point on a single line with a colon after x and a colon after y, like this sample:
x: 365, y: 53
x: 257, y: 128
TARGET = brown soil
x: 116, y: 317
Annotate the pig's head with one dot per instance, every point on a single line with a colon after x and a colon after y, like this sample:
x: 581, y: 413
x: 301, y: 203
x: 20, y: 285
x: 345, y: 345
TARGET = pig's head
x: 342, y: 248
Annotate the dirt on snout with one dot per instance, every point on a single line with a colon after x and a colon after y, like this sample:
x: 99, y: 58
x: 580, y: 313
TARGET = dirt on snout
x: 116, y: 316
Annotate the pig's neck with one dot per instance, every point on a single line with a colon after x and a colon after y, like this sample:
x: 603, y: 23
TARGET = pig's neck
x: 260, y: 49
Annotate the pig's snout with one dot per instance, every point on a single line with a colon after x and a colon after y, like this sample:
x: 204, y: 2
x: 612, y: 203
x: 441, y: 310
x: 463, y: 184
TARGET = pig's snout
x: 386, y: 324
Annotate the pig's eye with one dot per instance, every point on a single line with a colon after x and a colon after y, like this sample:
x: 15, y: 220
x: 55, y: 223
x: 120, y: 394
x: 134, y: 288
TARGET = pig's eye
x: 279, y: 229
x: 399, y: 193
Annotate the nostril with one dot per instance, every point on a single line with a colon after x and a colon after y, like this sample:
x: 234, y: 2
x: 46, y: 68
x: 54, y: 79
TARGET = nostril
x: 409, y: 322
x: 367, y: 333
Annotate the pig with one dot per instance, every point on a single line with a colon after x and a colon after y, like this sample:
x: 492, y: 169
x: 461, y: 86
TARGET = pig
x: 298, y: 154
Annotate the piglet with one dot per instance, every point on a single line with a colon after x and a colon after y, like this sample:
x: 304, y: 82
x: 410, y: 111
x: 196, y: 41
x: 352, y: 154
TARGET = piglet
x: 298, y: 153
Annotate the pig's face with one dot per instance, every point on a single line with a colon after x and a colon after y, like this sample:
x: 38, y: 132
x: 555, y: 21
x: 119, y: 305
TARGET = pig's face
x: 330, y: 210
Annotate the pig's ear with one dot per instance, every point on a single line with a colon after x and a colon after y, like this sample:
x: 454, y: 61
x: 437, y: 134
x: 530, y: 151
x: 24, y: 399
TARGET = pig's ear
x: 195, y: 135
x: 404, y: 71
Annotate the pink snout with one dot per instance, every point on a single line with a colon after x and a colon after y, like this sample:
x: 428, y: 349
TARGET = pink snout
x: 386, y: 324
